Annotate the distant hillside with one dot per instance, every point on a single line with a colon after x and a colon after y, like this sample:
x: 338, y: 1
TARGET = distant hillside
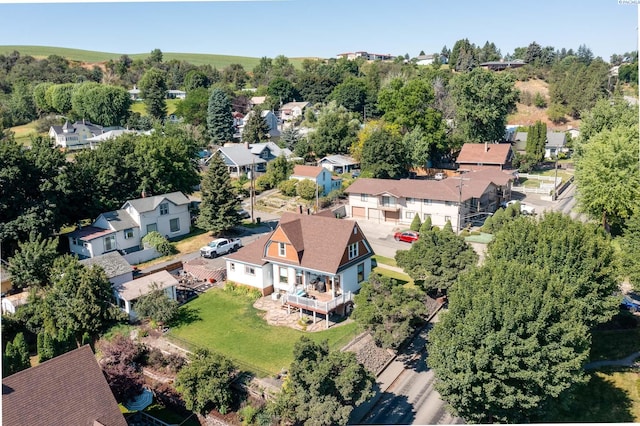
x: 92, y: 57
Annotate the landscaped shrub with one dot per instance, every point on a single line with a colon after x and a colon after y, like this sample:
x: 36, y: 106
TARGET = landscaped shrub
x: 416, y: 223
x: 262, y: 183
x: 307, y: 189
x: 175, y: 362
x: 160, y: 243
x: 539, y: 100
x: 288, y: 187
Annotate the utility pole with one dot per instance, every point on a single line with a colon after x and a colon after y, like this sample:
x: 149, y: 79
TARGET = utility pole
x: 555, y: 181
x: 252, y: 191
x: 460, y: 202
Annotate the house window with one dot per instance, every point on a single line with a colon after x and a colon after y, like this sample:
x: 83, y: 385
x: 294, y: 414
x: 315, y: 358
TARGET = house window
x: 128, y: 233
x: 426, y: 202
x: 409, y: 214
x: 152, y: 227
x: 388, y: 201
x: 164, y: 209
x: 174, y: 224
x: 361, y: 272
x: 282, y: 249
x: 410, y: 200
x: 232, y: 266
x: 353, y: 250
x: 76, y: 241
x: 364, y: 197
x: 109, y: 243
x: 449, y: 203
x: 284, y: 275
x: 249, y: 270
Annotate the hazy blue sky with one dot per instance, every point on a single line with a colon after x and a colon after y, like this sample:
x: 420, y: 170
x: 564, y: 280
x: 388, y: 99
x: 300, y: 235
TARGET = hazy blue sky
x: 321, y: 28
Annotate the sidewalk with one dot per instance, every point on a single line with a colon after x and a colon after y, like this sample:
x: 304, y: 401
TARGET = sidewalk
x: 624, y: 362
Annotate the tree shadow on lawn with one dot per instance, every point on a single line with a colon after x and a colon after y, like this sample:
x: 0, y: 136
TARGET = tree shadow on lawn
x: 186, y: 315
x: 597, y: 401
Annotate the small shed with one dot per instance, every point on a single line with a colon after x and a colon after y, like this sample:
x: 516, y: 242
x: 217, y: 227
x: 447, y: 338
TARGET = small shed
x: 127, y: 293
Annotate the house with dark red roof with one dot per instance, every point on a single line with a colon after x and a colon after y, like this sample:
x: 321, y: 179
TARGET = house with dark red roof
x: 480, y: 156
x: 304, y: 253
x: 69, y: 389
x: 463, y: 199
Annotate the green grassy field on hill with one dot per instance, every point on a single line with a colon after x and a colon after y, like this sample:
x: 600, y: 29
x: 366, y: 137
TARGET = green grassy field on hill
x: 88, y: 56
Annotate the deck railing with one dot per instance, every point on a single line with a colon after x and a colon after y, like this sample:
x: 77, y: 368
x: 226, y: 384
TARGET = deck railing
x: 316, y: 305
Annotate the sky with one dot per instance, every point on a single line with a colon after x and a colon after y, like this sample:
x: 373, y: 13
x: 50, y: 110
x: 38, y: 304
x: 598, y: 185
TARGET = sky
x: 320, y: 28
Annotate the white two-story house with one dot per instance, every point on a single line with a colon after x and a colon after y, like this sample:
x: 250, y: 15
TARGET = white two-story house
x: 458, y: 200
x: 303, y: 253
x: 124, y: 229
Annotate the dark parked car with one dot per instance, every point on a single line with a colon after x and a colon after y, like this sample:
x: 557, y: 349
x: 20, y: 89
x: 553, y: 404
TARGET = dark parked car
x: 244, y: 214
x: 406, y: 236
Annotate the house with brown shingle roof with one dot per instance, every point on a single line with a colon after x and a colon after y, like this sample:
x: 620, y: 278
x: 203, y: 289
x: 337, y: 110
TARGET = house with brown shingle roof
x: 69, y: 389
x: 399, y: 201
x: 320, y: 175
x: 479, y: 156
x: 304, y: 252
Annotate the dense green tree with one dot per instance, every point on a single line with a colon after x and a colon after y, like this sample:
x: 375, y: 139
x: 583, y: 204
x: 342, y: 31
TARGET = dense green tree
x: 219, y: 207
x: 156, y: 305
x: 426, y: 225
x: 40, y: 97
x: 29, y: 192
x: 262, y: 73
x: 279, y: 170
x: 536, y: 141
x: 16, y: 356
x: 153, y: 89
x: 533, y: 54
x: 462, y: 55
x: 166, y: 163
x: 59, y: 97
x: 280, y: 91
x: 196, y: 79
x: 351, y: 94
x: 483, y: 100
x: 388, y: 310
x: 219, y: 118
x: 206, y: 381
x: 416, y: 223
x: 335, y: 132
x: 436, y: 259
x: 256, y: 129
x: 384, y: 154
x: 155, y: 58
x: 290, y: 137
x: 307, y: 189
x: 193, y: 108
x: 605, y: 115
x: 323, y: 386
x: 235, y: 75
x: 78, y: 301
x: 607, y: 176
x: 579, y: 254
x: 509, y: 345
x: 488, y: 53
x: 31, y: 264
x: 102, y: 104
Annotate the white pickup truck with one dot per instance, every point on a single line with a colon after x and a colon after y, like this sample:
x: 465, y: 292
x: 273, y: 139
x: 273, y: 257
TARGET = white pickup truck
x: 220, y: 246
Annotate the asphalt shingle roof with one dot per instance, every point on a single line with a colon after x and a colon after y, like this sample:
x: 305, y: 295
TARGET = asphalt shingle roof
x: 148, y: 204
x: 131, y: 290
x: 489, y: 153
x: 113, y: 264
x: 69, y: 389
x: 239, y: 155
x: 120, y: 219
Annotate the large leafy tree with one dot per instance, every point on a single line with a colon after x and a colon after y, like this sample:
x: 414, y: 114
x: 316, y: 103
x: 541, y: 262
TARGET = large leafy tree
x: 384, y: 154
x: 59, y: 97
x: 579, y: 254
x: 483, y: 100
x: 605, y: 115
x: 630, y: 247
x: 193, y: 109
x: 437, y: 258
x: 607, y: 176
x: 219, y: 207
x: 323, y: 386
x: 388, y: 310
x: 31, y: 264
x: 166, y: 163
x: 102, y: 104
x: 281, y: 91
x: 119, y: 360
x: 511, y: 343
x: 219, y: 118
x: 78, y: 301
x: 335, y: 132
x: 153, y: 88
x: 256, y: 128
x: 351, y: 94
x: 206, y: 381
x: 156, y: 305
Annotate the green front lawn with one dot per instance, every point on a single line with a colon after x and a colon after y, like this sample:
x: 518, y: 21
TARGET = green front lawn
x: 227, y: 323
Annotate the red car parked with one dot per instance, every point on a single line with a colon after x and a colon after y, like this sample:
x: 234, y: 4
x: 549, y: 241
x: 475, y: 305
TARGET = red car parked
x: 406, y: 236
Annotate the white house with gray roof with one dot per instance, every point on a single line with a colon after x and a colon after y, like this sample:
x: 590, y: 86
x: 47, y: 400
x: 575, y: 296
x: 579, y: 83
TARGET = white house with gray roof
x: 77, y: 135
x: 123, y: 229
x: 240, y: 160
x: 126, y: 293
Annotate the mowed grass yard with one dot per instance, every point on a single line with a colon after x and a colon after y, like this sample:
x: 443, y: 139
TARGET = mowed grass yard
x: 226, y: 322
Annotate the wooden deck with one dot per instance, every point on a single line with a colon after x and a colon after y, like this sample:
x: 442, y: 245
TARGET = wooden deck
x: 316, y: 305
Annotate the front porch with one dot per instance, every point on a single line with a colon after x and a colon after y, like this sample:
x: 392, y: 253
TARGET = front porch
x: 341, y: 305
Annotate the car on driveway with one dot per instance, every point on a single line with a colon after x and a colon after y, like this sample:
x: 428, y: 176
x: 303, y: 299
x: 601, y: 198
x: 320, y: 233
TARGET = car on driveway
x: 244, y: 214
x: 406, y: 236
x: 524, y: 208
x: 630, y: 304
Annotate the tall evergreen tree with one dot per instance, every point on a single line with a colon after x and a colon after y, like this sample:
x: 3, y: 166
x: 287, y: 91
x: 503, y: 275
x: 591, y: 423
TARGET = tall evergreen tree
x: 16, y: 356
x: 219, y: 118
x: 256, y: 128
x: 219, y: 207
x: 153, y: 88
